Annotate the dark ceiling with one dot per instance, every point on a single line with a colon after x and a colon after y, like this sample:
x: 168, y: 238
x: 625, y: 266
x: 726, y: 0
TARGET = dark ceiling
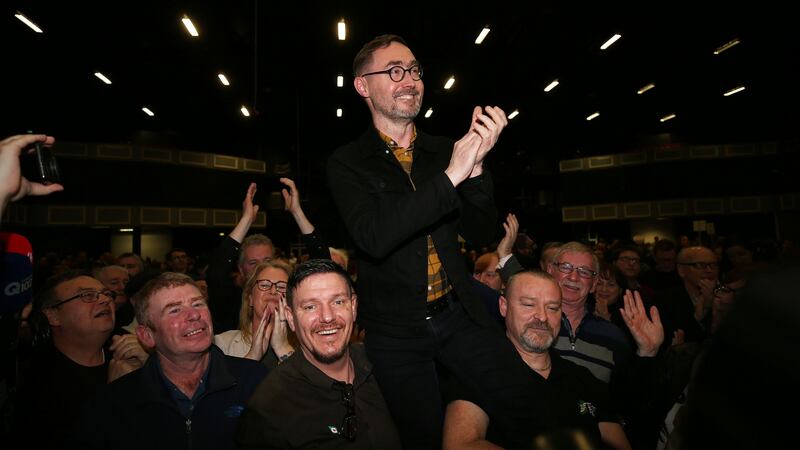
x: 282, y: 61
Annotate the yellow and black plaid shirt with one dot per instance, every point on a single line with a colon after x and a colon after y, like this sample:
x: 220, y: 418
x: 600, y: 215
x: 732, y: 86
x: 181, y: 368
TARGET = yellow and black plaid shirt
x: 438, y: 285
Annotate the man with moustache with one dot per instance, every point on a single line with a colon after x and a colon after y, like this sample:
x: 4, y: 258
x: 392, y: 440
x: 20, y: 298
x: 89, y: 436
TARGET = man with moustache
x: 574, y: 398
x: 405, y: 197
x: 189, y: 395
x: 324, y: 396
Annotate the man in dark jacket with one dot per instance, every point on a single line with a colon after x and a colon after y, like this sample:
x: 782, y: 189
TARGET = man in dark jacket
x: 189, y: 396
x: 405, y: 197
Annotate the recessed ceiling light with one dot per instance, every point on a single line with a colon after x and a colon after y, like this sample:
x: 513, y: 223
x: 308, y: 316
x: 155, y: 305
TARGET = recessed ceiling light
x: 726, y: 46
x: 340, y: 81
x: 484, y: 32
x: 513, y: 114
x: 28, y: 22
x: 102, y: 77
x: 733, y: 91
x: 667, y: 117
x: 610, y: 41
x: 646, y: 88
x: 338, y: 112
x: 428, y: 113
x: 148, y: 112
x: 450, y: 82
x: 223, y: 79
x: 550, y: 86
x: 593, y: 115
x: 341, y: 29
x: 245, y: 111
x: 187, y: 22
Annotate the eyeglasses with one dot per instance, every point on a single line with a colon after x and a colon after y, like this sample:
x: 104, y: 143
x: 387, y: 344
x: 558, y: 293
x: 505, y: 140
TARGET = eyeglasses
x: 349, y: 426
x: 397, y: 73
x: 701, y: 265
x: 721, y: 289
x: 266, y: 285
x: 629, y: 259
x: 567, y: 268
x: 88, y: 297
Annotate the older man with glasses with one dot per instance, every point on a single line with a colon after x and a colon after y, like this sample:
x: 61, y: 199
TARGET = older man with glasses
x: 325, y: 395
x: 78, y: 312
x: 687, y: 307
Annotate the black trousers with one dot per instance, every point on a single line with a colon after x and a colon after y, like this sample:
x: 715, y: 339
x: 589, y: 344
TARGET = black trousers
x: 482, y: 359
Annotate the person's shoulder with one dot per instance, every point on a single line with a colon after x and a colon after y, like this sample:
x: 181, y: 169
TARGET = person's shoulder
x: 357, y: 146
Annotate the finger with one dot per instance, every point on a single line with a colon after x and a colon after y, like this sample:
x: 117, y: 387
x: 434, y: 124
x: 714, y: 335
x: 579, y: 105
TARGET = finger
x: 655, y: 317
x: 498, y: 115
x: 20, y: 141
x: 288, y: 182
x: 44, y: 189
x: 251, y: 190
x: 476, y: 111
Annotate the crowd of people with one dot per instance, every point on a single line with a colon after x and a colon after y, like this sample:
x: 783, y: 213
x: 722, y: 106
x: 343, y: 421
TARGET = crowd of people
x: 570, y: 345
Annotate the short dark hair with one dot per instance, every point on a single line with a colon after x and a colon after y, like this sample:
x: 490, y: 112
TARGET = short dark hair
x: 536, y: 273
x: 314, y: 267
x: 141, y: 301
x: 625, y: 248
x: 364, y: 56
x: 168, y: 256
x: 47, y: 296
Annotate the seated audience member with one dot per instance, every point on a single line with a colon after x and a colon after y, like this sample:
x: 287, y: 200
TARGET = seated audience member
x: 628, y: 260
x: 224, y: 294
x: 263, y: 334
x: 486, y: 271
x: 59, y: 378
x: 189, y: 395
x: 176, y: 260
x: 132, y: 263
x: 686, y: 308
x: 664, y: 274
x: 573, y: 397
x: 608, y: 294
x: 325, y: 395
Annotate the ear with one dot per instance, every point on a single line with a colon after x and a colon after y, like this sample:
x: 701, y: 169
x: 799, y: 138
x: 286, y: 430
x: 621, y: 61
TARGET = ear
x: 594, y: 285
x: 52, y: 317
x: 361, y: 86
x: 241, y: 269
x: 354, y: 306
x: 503, y: 304
x: 145, y: 336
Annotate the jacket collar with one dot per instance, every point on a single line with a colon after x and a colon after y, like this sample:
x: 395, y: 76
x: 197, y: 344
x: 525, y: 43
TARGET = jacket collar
x: 371, y: 144
x: 153, y: 389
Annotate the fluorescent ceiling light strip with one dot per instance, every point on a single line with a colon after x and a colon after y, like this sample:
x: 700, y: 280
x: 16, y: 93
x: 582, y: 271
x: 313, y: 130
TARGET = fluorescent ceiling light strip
x: 338, y: 112
x: 727, y: 46
x: 667, y: 117
x: 339, y: 81
x: 608, y: 43
x: 550, y: 86
x: 126, y: 230
x: 482, y: 35
x: 450, y: 82
x: 513, y: 114
x: 342, y: 30
x: 646, y: 88
x: 148, y: 112
x: 102, y: 78
x: 28, y: 22
x: 594, y: 115
x: 733, y: 91
x: 244, y: 111
x: 429, y: 113
x: 223, y: 79
x: 187, y: 22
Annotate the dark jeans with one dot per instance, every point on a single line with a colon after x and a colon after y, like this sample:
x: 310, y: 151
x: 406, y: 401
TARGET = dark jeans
x: 482, y: 359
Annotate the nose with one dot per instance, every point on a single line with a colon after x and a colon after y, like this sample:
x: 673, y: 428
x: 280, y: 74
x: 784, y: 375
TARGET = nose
x: 325, y: 313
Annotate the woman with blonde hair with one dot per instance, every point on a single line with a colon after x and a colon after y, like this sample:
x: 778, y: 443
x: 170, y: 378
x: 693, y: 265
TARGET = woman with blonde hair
x: 263, y: 334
